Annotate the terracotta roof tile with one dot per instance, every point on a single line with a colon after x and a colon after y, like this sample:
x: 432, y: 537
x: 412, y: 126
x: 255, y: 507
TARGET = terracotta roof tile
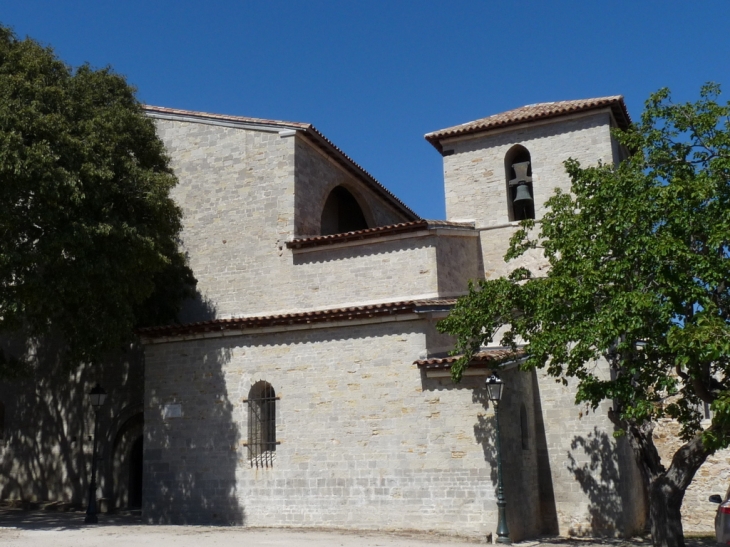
x: 534, y: 112
x: 487, y: 356
x: 380, y: 231
x: 312, y: 132
x: 319, y: 316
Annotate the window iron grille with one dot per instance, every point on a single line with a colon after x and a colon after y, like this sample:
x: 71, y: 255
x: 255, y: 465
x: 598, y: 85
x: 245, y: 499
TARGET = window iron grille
x: 262, y: 425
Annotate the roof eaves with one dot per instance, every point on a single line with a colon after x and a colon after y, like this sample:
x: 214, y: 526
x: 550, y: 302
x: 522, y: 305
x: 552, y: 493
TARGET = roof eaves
x: 379, y: 231
x: 532, y: 113
x: 495, y: 356
x: 317, y: 316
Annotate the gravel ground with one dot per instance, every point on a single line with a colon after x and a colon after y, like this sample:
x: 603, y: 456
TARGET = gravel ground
x: 56, y: 529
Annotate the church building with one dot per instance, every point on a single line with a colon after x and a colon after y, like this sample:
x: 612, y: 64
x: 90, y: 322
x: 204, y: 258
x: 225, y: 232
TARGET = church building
x: 307, y: 384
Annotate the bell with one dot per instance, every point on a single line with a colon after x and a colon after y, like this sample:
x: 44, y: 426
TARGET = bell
x: 522, y: 194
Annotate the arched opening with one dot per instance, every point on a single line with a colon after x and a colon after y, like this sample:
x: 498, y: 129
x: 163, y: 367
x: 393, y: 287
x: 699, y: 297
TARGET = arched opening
x: 127, y: 463
x: 135, y: 474
x: 261, y: 424
x: 342, y: 213
x: 518, y: 173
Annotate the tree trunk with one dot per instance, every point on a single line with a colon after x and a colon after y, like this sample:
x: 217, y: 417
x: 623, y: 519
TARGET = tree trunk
x: 665, y: 519
x: 665, y: 487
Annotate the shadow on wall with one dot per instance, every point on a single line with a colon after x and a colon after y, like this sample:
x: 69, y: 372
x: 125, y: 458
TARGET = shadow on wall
x: 191, y: 443
x: 198, y: 308
x: 605, y: 475
x: 45, y: 454
x: 519, y: 464
x: 548, y: 509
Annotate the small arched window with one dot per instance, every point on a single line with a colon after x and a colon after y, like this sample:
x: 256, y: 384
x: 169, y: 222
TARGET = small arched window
x: 342, y: 213
x: 261, y: 424
x: 525, y: 432
x: 520, y: 195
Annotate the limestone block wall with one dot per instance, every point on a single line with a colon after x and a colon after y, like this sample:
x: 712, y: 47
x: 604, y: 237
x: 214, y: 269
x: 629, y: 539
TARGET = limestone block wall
x: 237, y: 194
x: 366, y: 441
x: 420, y: 265
x: 316, y: 176
x: 596, y: 486
x: 458, y: 262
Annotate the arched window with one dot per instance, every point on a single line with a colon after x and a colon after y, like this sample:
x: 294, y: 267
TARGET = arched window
x: 525, y: 432
x: 518, y: 171
x: 261, y: 424
x: 342, y: 213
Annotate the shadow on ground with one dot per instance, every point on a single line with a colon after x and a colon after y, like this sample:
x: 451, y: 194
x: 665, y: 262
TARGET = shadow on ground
x: 60, y: 520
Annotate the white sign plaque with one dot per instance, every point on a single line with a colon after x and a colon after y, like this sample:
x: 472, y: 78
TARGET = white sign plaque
x: 173, y: 410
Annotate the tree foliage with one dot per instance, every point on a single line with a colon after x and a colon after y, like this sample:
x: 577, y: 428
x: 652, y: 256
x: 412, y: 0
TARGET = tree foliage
x: 639, y: 271
x: 88, y: 232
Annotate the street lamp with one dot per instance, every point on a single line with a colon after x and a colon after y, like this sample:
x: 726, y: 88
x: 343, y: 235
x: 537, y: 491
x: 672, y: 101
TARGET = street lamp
x: 494, y: 389
x: 97, y: 396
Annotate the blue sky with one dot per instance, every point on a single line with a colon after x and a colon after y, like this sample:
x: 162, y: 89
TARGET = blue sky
x: 375, y: 76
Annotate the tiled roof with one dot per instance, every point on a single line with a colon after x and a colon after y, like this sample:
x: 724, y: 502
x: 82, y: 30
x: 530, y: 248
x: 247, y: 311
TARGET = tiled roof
x: 320, y: 316
x: 380, y: 231
x: 534, y: 112
x: 484, y: 357
x: 309, y: 130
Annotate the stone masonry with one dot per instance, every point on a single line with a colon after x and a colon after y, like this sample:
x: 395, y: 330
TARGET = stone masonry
x: 366, y: 439
x: 371, y: 433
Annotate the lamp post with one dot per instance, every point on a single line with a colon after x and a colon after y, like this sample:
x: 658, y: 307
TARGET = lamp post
x: 494, y: 390
x: 97, y: 396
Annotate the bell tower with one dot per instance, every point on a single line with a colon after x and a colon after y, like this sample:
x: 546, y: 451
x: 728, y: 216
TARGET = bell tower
x: 502, y: 169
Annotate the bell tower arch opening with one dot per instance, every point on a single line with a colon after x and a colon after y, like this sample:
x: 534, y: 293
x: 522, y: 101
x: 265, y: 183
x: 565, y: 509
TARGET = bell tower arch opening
x: 518, y: 174
x: 342, y: 213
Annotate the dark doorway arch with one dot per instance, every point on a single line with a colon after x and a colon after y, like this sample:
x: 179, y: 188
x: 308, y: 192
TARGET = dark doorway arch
x: 135, y: 474
x: 342, y: 213
x: 127, y: 464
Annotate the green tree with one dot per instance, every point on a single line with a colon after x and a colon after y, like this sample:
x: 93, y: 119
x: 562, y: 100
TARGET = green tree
x: 639, y: 272
x: 88, y: 232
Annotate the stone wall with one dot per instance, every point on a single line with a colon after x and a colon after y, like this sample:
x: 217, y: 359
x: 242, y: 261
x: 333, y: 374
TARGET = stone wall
x: 237, y: 194
x: 237, y: 191
x: 366, y: 441
x: 418, y: 265
x: 596, y: 485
